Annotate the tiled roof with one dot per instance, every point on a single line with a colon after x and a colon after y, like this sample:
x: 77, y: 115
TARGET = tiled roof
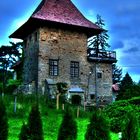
x: 57, y: 13
x: 62, y: 11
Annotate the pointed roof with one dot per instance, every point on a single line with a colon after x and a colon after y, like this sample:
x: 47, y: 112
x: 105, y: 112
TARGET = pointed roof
x: 60, y: 12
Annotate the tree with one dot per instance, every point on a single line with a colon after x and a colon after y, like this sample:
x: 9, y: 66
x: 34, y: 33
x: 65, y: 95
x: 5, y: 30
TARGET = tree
x: 3, y: 122
x: 125, y: 84
x: 62, y: 89
x: 98, y: 43
x: 98, y: 128
x: 8, y: 56
x: 35, y: 124
x: 131, y: 127
x: 116, y: 74
x: 24, y: 134
x: 68, y: 127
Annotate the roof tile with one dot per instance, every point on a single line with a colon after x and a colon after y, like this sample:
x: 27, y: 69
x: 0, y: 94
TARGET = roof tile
x: 62, y: 11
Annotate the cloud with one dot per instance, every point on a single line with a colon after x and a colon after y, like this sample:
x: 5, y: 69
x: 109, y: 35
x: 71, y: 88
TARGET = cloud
x: 128, y: 57
x: 117, y: 45
x: 131, y: 8
x: 132, y: 50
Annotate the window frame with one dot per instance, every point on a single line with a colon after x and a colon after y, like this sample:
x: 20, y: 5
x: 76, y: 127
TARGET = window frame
x: 74, y: 69
x: 53, y: 68
x: 99, y: 75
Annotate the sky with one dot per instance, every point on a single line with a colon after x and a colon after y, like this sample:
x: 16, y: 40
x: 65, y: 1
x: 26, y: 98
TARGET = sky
x: 121, y: 18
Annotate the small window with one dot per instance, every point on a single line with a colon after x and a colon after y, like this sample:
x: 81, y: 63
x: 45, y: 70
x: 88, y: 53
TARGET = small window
x: 74, y: 69
x: 53, y: 67
x: 99, y: 75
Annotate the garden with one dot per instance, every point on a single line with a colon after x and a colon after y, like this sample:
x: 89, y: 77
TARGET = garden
x: 121, y: 116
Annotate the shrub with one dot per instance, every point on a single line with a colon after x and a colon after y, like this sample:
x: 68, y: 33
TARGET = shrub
x: 12, y: 85
x: 131, y: 127
x: 134, y: 100
x: 24, y: 134
x: 98, y: 128
x: 116, y: 112
x: 3, y: 122
x: 68, y: 127
x: 35, y: 124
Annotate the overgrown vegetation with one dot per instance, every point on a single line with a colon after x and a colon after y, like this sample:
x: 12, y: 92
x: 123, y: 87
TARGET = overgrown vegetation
x: 52, y: 118
x: 130, y: 130
x: 34, y: 124
x: 68, y: 127
x: 98, y: 128
x: 3, y: 122
x: 117, y: 113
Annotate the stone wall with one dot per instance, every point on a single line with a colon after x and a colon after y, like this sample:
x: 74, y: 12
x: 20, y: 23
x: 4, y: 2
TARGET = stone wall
x: 30, y: 66
x: 101, y: 86
x: 66, y: 46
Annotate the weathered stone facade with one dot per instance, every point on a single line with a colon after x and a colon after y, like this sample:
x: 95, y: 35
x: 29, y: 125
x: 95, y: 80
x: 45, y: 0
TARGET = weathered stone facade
x: 30, y: 67
x: 55, y: 50
x: 65, y: 46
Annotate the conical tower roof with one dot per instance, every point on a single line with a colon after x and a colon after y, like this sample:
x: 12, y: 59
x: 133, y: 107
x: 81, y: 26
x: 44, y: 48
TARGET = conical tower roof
x: 57, y: 12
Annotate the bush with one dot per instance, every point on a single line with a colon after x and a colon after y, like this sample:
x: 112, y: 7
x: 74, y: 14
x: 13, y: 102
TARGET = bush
x: 3, y: 122
x: 24, y: 134
x: 131, y: 127
x: 134, y: 100
x: 68, y: 127
x: 98, y: 128
x: 12, y: 85
x: 116, y: 112
x: 35, y: 124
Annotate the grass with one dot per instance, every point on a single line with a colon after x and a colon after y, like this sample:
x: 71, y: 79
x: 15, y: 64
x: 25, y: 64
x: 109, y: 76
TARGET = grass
x: 51, y: 119
x: 50, y: 127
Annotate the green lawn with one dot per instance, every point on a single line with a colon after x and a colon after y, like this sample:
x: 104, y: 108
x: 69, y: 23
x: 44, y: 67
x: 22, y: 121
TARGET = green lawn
x: 51, y: 124
x: 50, y: 117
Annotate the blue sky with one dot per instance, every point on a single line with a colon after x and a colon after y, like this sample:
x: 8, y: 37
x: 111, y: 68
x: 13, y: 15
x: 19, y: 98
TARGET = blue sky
x: 121, y: 18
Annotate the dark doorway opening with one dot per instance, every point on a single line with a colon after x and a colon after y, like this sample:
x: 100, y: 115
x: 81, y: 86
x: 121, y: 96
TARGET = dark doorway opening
x: 76, y: 100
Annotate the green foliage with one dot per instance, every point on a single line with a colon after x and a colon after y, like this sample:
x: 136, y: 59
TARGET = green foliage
x: 9, y: 55
x: 24, y: 134
x: 116, y: 74
x: 125, y: 85
x: 12, y: 85
x: 35, y: 124
x: 98, y: 127
x: 132, y: 91
x: 116, y: 112
x: 68, y: 127
x: 3, y: 122
x: 98, y: 42
x: 131, y: 127
x: 62, y: 89
x: 1, y: 85
x: 134, y: 100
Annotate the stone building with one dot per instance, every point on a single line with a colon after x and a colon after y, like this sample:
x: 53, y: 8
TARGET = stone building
x: 55, y: 50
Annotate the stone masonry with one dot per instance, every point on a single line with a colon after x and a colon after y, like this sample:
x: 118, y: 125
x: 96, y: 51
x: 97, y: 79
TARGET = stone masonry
x: 55, y: 50
x: 65, y: 46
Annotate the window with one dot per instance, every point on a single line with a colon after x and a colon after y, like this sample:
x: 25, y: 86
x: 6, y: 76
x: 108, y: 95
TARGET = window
x: 53, y: 67
x: 99, y: 75
x: 74, y: 69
